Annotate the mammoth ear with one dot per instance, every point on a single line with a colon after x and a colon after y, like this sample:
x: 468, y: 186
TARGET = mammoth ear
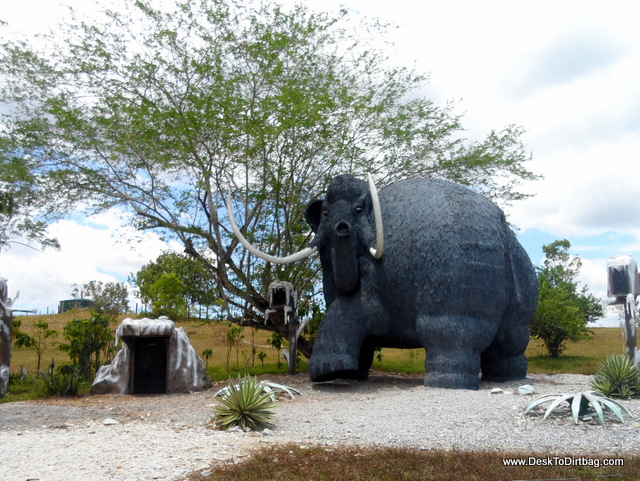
x: 313, y: 214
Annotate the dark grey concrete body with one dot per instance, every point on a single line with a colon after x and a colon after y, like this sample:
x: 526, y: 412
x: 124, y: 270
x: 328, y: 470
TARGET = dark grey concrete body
x: 453, y: 279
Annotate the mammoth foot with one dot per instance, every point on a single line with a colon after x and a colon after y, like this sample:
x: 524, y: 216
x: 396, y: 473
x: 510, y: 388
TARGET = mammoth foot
x: 452, y: 381
x: 341, y: 368
x: 504, y: 369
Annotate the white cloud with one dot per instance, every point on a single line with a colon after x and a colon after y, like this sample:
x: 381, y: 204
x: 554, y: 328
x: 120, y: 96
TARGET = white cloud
x: 98, y: 249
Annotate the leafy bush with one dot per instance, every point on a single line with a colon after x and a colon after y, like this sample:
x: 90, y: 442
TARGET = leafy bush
x: 64, y: 381
x: 618, y: 377
x: 87, y: 340
x: 244, y: 404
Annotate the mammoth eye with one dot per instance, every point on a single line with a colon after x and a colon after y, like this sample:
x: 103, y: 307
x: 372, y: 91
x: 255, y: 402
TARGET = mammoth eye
x: 326, y: 213
x: 358, y: 209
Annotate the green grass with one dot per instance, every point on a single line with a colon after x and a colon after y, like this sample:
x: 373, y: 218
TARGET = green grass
x: 579, y: 358
x: 293, y: 463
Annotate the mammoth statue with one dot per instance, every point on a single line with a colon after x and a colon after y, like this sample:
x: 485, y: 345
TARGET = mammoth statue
x: 424, y: 263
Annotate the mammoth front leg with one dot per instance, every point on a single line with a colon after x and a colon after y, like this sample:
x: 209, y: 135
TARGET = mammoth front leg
x: 336, y: 351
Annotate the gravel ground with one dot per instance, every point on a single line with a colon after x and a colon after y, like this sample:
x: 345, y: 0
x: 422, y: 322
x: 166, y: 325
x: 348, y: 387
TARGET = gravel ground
x: 115, y: 437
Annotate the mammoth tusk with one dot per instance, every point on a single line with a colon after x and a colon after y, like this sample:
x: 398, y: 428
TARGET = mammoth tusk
x: 377, y: 215
x: 303, y: 254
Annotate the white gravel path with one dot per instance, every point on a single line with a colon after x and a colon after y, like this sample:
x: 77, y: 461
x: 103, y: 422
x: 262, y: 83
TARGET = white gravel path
x: 166, y: 437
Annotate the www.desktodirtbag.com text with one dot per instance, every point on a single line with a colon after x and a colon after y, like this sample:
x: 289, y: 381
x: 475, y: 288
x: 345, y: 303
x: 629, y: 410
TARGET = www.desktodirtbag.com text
x: 563, y: 461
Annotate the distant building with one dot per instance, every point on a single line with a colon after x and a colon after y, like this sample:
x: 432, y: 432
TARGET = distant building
x: 78, y: 303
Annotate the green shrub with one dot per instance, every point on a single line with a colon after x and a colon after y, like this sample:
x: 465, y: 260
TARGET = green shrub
x: 617, y: 377
x: 64, y: 381
x: 89, y: 343
x: 244, y: 404
x: 19, y: 385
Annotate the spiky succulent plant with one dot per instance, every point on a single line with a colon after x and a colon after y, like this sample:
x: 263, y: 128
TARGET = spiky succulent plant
x: 617, y: 376
x: 580, y: 404
x: 244, y: 404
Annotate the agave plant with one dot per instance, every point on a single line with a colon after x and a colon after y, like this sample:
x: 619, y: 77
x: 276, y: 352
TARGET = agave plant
x: 617, y: 376
x: 244, y: 404
x: 580, y: 404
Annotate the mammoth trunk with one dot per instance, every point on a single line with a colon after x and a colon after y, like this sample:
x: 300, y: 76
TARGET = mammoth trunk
x: 345, y: 267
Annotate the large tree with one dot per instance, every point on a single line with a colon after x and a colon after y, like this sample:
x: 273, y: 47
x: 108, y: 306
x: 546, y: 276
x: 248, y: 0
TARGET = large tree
x: 164, y: 112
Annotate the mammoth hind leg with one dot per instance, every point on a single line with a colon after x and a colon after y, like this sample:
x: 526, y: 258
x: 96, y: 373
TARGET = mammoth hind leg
x: 453, y: 345
x: 504, y: 359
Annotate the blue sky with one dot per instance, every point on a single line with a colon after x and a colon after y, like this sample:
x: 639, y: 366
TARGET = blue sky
x: 566, y: 71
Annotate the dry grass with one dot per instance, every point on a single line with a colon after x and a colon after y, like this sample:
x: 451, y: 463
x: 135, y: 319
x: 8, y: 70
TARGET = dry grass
x: 293, y: 463
x: 202, y: 336
x: 579, y: 358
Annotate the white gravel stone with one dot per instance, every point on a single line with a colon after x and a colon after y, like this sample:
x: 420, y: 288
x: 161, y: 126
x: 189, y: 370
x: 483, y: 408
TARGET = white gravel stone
x: 167, y: 436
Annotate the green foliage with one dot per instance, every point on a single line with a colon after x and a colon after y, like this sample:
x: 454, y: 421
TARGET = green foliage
x: 89, y: 342
x: 266, y: 101
x: 64, y: 381
x: 563, y: 312
x: 166, y: 294
x: 580, y: 404
x: 25, y: 388
x: 233, y: 337
x: 245, y: 404
x: 379, y: 355
x: 197, y: 284
x: 39, y: 342
x: 275, y: 341
x: 617, y: 377
x: 262, y: 356
x: 26, y: 202
x: 207, y: 353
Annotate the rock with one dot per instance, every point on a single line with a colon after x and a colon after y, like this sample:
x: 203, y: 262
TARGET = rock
x: 496, y: 390
x: 110, y: 422
x: 525, y: 390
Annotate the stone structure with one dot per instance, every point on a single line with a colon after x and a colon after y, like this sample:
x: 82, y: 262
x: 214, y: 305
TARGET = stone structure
x: 624, y: 287
x: 427, y: 263
x: 6, y: 328
x: 156, y: 357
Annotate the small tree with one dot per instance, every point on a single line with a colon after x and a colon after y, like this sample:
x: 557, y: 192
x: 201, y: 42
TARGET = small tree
x: 39, y: 342
x: 207, y: 353
x: 275, y: 341
x: 88, y: 342
x: 234, y: 335
x: 563, y: 311
x: 262, y: 356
